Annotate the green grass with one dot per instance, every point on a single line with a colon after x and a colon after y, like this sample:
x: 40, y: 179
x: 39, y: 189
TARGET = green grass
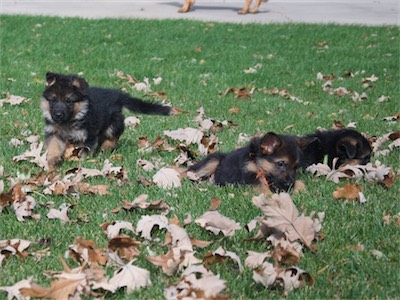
x: 291, y: 56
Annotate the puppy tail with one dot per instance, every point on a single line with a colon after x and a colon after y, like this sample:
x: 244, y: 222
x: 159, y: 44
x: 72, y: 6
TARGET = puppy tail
x: 207, y: 167
x: 145, y: 107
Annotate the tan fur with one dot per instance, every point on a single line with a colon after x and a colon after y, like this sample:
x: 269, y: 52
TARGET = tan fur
x: 251, y: 167
x: 266, y: 167
x: 187, y: 5
x: 55, y: 149
x: 109, y: 144
x: 208, y: 169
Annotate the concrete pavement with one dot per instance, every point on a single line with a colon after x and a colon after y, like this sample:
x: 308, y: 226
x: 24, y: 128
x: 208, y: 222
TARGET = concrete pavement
x: 362, y: 12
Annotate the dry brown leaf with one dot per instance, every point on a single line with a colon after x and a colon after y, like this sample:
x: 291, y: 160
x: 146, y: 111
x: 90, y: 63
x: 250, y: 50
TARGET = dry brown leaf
x: 141, y: 202
x: 24, y: 209
x: 61, y: 214
x: 86, y: 251
x: 145, y: 164
x: 220, y: 254
x: 167, y: 178
x: 131, y: 277
x: 113, y: 229
x: 187, y: 135
x: 124, y: 246
x: 240, y: 93
x: 34, y: 156
x: 59, y: 289
x: 349, y: 192
x: 289, y: 278
x: 13, y: 100
x: 294, y: 277
x: 146, y: 224
x: 281, y: 214
x: 197, y: 282
x: 216, y: 223
x: 256, y: 259
x: 14, y: 291
x: 168, y: 262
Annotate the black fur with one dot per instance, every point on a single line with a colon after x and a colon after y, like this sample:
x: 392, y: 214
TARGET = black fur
x: 348, y: 145
x: 86, y: 116
x: 273, y: 157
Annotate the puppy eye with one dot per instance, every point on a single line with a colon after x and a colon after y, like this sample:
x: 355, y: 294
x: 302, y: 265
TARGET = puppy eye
x: 280, y: 164
x: 52, y: 99
x: 68, y: 100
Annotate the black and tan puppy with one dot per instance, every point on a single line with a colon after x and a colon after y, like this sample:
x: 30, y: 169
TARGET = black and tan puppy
x: 86, y: 116
x: 348, y: 145
x: 269, y: 163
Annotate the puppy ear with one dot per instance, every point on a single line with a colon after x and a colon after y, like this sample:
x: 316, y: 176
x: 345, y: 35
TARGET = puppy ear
x: 304, y: 142
x: 349, y: 149
x: 269, y: 143
x: 80, y: 83
x: 51, y: 78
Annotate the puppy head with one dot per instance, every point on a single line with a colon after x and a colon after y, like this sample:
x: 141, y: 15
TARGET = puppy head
x: 64, y: 98
x: 352, y: 148
x: 277, y: 157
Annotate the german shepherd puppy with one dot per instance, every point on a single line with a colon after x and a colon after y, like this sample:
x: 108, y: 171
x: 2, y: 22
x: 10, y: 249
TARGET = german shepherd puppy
x: 269, y: 163
x: 86, y: 116
x: 187, y: 5
x: 348, y: 145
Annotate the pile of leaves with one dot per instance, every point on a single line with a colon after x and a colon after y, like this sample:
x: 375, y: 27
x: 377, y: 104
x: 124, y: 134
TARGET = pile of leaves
x: 280, y: 224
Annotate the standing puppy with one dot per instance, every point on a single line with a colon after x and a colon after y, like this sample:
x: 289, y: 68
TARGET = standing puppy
x: 269, y: 163
x: 348, y: 145
x: 86, y: 117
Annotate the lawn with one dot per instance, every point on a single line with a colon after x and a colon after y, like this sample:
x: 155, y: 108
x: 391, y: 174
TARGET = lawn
x: 198, y: 63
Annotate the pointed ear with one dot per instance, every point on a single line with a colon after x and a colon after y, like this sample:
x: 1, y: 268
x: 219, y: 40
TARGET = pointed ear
x: 51, y: 78
x: 80, y: 83
x: 351, y: 150
x: 304, y: 142
x: 269, y: 143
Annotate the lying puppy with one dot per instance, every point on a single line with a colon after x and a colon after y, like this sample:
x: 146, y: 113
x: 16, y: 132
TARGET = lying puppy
x: 189, y: 3
x: 348, y: 145
x: 85, y: 117
x: 269, y: 163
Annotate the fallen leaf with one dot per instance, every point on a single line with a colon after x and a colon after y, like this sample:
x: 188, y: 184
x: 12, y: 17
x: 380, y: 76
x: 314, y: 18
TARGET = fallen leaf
x: 14, y: 291
x: 125, y: 247
x: 349, y: 192
x: 188, y: 135
x: 197, y: 282
x: 216, y: 223
x: 131, y: 277
x: 281, y: 214
x: 256, y: 259
x: 210, y: 257
x: 61, y: 214
x: 13, y: 100
x: 168, y: 262
x: 146, y: 224
x: 167, y: 178
x: 113, y: 229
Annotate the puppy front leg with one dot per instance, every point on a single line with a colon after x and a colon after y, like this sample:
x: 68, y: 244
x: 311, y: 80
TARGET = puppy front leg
x: 55, y: 149
x: 245, y: 8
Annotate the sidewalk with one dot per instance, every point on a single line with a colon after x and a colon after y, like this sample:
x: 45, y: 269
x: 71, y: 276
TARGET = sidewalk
x: 363, y: 12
